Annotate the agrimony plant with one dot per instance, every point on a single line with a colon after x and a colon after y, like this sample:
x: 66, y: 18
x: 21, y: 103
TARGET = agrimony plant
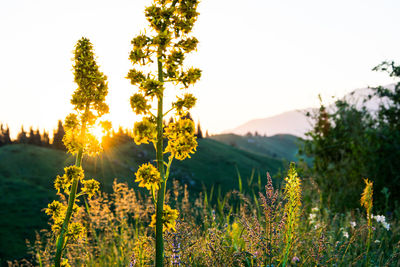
x: 158, y: 59
x: 292, y: 194
x: 366, y: 202
x: 89, y: 102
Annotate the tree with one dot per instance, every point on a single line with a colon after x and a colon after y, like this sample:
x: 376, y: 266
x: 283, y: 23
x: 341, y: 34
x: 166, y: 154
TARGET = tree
x: 171, y: 21
x: 89, y: 103
x: 349, y: 144
x: 22, y: 138
x: 31, y: 136
x: 58, y: 137
x: 199, y: 134
x: 6, y: 135
x: 45, y: 140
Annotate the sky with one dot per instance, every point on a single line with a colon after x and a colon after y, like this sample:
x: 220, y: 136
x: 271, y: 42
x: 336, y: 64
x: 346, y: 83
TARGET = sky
x: 259, y: 57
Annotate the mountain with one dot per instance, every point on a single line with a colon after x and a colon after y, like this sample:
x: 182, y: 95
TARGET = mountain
x: 291, y: 122
x: 296, y: 123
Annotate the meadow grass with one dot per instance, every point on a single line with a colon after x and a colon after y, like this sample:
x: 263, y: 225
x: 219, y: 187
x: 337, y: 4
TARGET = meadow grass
x: 247, y: 228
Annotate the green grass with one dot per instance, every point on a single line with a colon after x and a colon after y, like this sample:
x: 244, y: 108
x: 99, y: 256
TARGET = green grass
x: 27, y: 173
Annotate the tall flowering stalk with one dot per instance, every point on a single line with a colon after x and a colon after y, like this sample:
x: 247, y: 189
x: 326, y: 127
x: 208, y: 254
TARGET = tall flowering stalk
x: 89, y: 102
x: 165, y: 48
x: 366, y: 202
x: 292, y: 194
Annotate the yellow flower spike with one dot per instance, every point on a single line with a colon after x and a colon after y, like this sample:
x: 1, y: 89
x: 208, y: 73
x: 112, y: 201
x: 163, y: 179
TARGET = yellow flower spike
x: 367, y: 196
x: 148, y: 176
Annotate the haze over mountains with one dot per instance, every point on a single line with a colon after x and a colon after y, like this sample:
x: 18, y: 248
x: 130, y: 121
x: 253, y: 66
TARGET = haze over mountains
x: 296, y: 122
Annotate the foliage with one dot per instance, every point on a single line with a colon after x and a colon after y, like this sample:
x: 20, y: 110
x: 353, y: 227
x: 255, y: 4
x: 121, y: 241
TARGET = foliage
x: 348, y: 144
x: 171, y: 23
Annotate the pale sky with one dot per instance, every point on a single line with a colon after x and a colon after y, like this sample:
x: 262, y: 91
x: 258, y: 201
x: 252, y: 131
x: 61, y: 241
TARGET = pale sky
x: 259, y: 57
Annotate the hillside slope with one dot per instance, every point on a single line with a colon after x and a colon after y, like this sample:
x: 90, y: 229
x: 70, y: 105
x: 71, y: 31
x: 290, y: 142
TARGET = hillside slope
x: 281, y: 146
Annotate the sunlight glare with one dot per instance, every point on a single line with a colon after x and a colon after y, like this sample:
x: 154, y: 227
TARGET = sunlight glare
x: 98, y: 132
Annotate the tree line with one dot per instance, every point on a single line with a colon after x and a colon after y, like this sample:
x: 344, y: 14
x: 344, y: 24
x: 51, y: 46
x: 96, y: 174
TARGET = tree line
x: 35, y: 137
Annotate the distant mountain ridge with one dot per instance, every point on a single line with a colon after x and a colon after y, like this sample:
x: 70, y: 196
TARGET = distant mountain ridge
x: 295, y: 122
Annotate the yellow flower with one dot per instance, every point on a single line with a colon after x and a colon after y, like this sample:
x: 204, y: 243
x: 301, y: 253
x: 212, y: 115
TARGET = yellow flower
x: 144, y: 131
x: 148, y: 176
x: 181, y: 138
x: 76, y: 230
x: 366, y: 197
x: 169, y: 218
x: 90, y: 187
x: 55, y: 209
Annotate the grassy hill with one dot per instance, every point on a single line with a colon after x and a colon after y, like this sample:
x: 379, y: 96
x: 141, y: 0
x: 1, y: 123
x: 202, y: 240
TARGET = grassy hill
x: 27, y: 173
x: 281, y: 146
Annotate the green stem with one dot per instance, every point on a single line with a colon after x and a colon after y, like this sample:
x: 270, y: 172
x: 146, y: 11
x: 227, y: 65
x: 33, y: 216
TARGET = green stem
x: 369, y: 238
x: 71, y: 200
x: 160, y: 166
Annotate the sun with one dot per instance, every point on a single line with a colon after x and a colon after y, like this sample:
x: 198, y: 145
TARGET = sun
x: 98, y: 132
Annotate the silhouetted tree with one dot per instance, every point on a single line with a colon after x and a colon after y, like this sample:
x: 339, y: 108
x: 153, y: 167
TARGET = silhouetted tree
x: 45, y: 140
x: 22, y: 138
x: 207, y: 135
x: 58, y: 137
x: 31, y: 137
x: 199, y: 132
x: 5, y: 135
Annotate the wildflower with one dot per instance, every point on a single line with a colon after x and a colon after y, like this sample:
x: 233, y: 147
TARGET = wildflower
x: 90, y: 187
x: 295, y: 259
x: 366, y: 197
x: 386, y: 226
x: 148, y: 176
x: 181, y: 138
x: 65, y: 263
x: 345, y: 234
x: 168, y: 218
x: 144, y: 131
x: 315, y: 209
x: 311, y: 217
x: 55, y: 210
x: 377, y: 241
x: 76, y: 230
x: 381, y: 219
x: 353, y: 224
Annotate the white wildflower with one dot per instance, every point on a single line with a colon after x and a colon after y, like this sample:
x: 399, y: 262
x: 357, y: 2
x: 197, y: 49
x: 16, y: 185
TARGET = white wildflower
x: 386, y: 226
x: 345, y: 234
x: 353, y: 224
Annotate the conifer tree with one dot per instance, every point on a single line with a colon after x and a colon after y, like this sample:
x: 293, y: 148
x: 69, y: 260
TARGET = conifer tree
x: 45, y: 140
x: 22, y: 138
x: 89, y: 104
x: 6, y: 136
x: 171, y: 22
x: 30, y: 137
x: 199, y: 132
x: 58, y: 136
